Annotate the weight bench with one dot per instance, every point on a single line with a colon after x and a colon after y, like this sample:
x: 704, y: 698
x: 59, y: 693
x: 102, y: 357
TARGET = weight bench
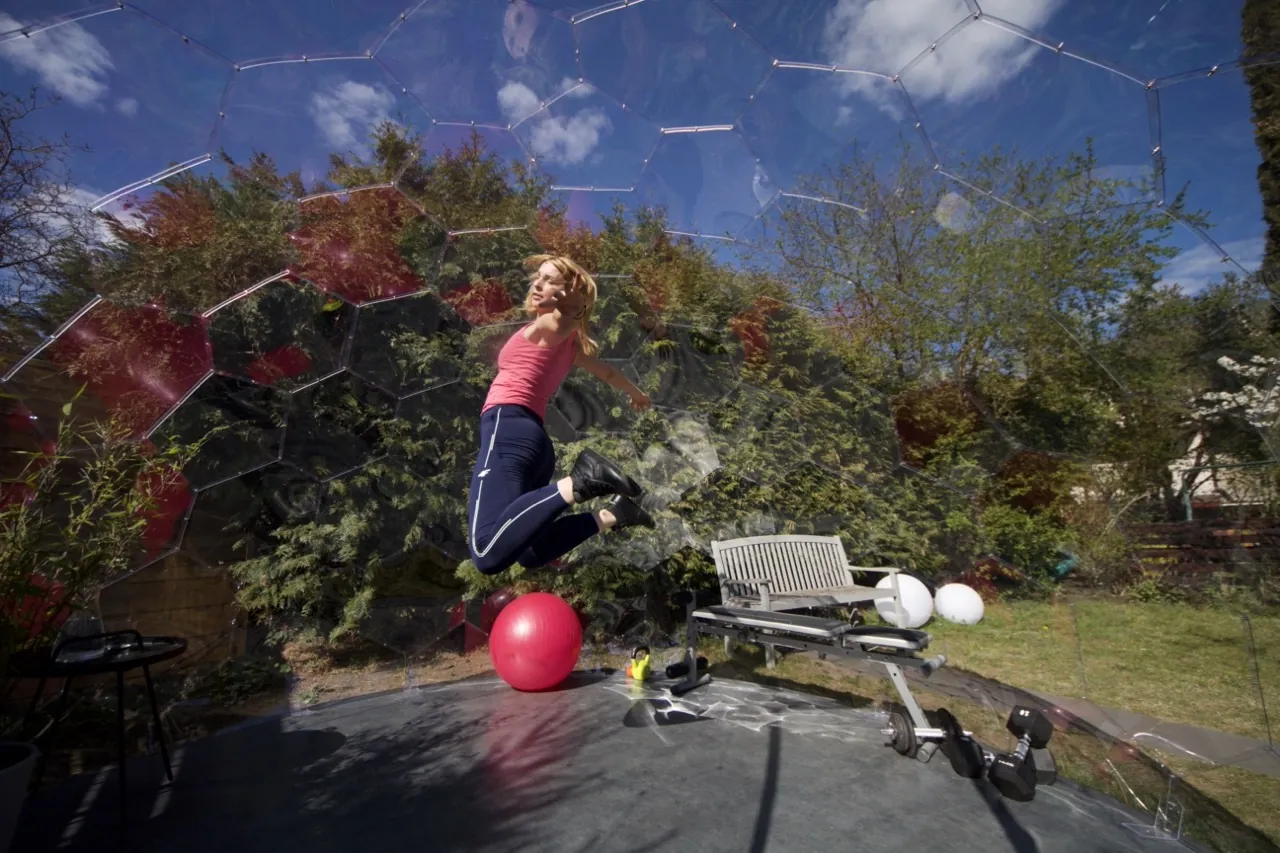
x: 795, y: 572
x: 892, y: 647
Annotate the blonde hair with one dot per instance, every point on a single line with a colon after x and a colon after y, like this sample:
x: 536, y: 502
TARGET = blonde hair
x: 577, y: 280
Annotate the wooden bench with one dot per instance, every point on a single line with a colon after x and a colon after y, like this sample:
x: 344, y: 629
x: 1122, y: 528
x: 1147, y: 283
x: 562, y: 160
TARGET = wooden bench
x: 781, y: 573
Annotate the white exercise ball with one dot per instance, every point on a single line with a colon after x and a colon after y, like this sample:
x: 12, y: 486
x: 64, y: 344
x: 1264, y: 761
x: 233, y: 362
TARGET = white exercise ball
x: 958, y: 603
x: 916, y: 601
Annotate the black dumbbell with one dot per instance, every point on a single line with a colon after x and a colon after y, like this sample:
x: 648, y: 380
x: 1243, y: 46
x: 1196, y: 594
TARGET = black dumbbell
x: 680, y: 669
x: 1015, y: 775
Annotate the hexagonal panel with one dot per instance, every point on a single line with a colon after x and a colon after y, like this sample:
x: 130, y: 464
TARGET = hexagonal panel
x: 708, y: 183
x: 283, y: 335
x: 865, y: 447
x: 409, y: 344
x: 156, y: 234
x: 1203, y: 121
x: 226, y: 524
x: 381, y: 510
x: 788, y: 32
x: 240, y: 423
x: 688, y: 368
x: 483, y: 275
x: 336, y: 425
x: 481, y: 61
x: 439, y: 429
x: 944, y: 433
x: 590, y: 405
x: 811, y: 499
x: 457, y: 193
x: 584, y: 138
x: 779, y: 346
x: 172, y: 498
x: 590, y: 209
x: 138, y: 362
x: 288, y: 495
x: 755, y: 433
x: 282, y: 28
x: 677, y: 453
x: 805, y: 121
x: 1035, y: 481
x: 1148, y: 43
x: 676, y: 62
x: 483, y: 346
x: 360, y: 245
x: 300, y: 112
x: 625, y: 316
x: 145, y: 98
x: 1033, y: 100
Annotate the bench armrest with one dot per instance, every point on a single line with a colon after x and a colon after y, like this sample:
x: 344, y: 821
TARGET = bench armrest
x: 884, y: 570
x: 892, y: 572
x: 764, y: 584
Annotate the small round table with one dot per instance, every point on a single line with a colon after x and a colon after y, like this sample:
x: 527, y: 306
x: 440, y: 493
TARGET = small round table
x: 124, y: 650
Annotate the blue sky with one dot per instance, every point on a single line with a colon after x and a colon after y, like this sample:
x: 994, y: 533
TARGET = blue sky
x: 710, y: 109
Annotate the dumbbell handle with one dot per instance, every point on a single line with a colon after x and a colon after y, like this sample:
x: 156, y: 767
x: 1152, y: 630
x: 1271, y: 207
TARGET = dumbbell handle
x: 1024, y: 748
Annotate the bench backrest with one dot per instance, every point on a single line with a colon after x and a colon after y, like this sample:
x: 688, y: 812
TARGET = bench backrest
x: 792, y: 563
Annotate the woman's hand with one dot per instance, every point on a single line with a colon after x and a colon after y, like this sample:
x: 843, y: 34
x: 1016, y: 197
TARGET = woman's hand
x: 640, y: 401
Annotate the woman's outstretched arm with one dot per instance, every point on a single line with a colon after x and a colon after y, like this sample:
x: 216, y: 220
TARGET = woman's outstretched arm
x: 613, y: 376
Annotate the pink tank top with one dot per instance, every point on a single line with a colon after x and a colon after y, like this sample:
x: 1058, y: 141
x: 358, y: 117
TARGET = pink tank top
x: 529, y: 375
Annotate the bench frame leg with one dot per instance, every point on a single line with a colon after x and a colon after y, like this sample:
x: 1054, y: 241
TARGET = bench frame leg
x: 692, y: 679
x: 918, y: 719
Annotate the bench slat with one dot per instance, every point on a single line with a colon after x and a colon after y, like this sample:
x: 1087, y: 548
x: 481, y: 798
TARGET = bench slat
x: 796, y: 564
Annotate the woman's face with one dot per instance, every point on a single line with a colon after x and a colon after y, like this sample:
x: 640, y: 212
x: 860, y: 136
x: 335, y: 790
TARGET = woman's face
x: 550, y: 292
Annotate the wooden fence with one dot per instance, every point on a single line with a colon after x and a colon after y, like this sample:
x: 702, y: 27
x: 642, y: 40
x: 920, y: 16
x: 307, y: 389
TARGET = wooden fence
x: 1193, y: 552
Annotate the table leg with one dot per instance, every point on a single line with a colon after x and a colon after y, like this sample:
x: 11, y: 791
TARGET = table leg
x: 124, y: 806
x: 155, y: 715
x: 47, y: 746
x: 35, y: 703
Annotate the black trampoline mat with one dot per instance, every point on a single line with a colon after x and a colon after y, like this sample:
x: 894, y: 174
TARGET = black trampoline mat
x: 477, y: 766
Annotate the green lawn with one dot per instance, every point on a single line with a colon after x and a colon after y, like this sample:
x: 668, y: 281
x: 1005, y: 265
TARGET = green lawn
x: 1172, y: 662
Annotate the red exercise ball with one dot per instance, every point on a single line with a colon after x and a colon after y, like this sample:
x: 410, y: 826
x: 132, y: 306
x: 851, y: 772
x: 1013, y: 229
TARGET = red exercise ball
x: 535, y: 641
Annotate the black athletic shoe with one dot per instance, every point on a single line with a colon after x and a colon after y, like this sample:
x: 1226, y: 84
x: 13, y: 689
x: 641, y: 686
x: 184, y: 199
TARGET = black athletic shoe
x: 629, y: 513
x: 594, y: 476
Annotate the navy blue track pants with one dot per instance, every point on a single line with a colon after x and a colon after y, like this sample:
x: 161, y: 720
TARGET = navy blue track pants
x: 513, y: 511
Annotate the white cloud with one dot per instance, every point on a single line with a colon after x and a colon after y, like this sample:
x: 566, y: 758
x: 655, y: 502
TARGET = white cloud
x: 565, y: 140
x: 569, y: 140
x: 886, y: 35
x: 127, y: 107
x: 68, y: 59
x: 1195, y: 269
x: 517, y: 101
x: 346, y: 112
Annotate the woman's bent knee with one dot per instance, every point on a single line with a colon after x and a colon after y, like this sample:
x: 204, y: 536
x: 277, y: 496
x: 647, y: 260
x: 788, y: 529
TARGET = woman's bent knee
x: 490, y: 565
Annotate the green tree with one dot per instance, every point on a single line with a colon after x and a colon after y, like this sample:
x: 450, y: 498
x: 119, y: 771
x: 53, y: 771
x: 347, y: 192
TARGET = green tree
x: 1260, y: 32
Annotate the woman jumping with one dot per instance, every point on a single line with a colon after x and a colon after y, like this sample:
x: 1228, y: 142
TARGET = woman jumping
x: 514, y: 511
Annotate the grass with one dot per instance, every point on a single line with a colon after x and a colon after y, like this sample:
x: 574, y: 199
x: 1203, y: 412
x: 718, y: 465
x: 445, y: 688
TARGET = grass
x: 1172, y: 662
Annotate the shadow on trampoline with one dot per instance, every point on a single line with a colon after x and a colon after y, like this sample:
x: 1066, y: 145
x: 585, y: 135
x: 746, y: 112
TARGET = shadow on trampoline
x: 1020, y: 840
x: 398, y: 779
x: 768, y: 792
